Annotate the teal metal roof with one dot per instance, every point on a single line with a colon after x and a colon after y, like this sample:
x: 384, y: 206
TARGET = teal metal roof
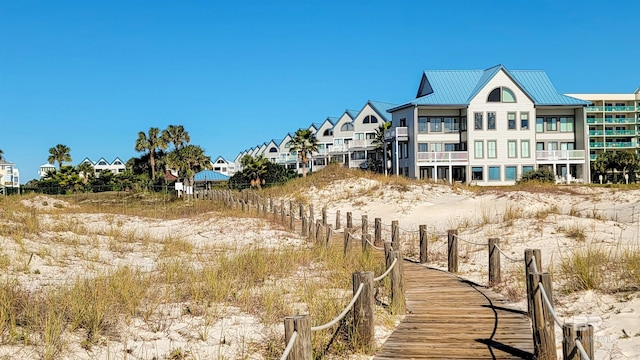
x: 381, y: 108
x: 459, y: 87
x: 210, y: 175
x: 352, y: 113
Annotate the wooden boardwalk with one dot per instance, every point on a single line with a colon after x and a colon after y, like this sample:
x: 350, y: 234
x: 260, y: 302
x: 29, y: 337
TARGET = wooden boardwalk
x: 450, y: 318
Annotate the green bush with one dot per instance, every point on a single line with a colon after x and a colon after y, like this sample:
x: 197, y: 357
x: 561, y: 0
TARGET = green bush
x: 540, y: 176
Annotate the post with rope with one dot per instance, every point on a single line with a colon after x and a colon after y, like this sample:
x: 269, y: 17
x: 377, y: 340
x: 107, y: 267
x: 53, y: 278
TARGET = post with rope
x: 363, y: 311
x: 301, y: 326
x: 329, y: 232
x: 324, y: 215
x: 423, y: 243
x: 365, y: 224
x: 529, y: 256
x: 395, y: 235
x: 397, y: 286
x: 319, y: 228
x: 452, y: 251
x: 337, y: 219
x: 347, y: 241
x: 572, y: 333
x: 377, y: 232
x: 544, y: 346
x: 494, y: 262
x: 349, y: 220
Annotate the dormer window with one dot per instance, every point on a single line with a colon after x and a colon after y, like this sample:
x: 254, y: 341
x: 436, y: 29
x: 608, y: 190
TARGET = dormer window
x: 272, y: 150
x: 501, y: 94
x: 347, y: 127
x: 370, y: 119
x: 328, y: 132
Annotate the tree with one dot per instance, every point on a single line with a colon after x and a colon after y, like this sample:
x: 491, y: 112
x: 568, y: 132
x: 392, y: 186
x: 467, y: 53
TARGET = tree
x: 305, y: 143
x: 1, y: 155
x: 59, y: 153
x: 255, y: 168
x: 627, y: 162
x: 86, y: 171
x: 381, y: 147
x: 188, y: 161
x: 150, y: 144
x: 260, y: 172
x: 176, y: 135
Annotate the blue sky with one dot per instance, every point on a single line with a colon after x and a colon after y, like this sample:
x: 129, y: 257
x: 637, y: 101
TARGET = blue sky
x: 92, y: 74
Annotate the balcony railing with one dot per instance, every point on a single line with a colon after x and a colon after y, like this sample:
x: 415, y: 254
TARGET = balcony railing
x: 611, y: 108
x: 399, y: 133
x: 611, y: 120
x: 542, y: 155
x: 364, y: 143
x: 625, y: 144
x: 443, y: 156
x: 620, y: 132
x: 596, y: 144
x: 339, y: 148
x: 596, y: 132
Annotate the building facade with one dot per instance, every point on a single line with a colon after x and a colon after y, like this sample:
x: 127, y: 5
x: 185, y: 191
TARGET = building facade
x: 116, y: 166
x: 488, y: 127
x: 9, y: 176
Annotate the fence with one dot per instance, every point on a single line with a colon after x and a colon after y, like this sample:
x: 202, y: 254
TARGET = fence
x: 577, y: 338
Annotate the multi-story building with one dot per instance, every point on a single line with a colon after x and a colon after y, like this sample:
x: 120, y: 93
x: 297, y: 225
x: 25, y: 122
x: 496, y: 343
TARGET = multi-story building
x: 488, y: 127
x: 117, y: 166
x: 9, y: 177
x: 45, y: 169
x: 613, y: 121
x: 223, y: 166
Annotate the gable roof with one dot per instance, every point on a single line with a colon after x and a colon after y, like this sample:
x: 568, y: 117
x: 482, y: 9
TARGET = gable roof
x: 352, y: 113
x: 381, y: 108
x: 210, y: 175
x: 459, y: 87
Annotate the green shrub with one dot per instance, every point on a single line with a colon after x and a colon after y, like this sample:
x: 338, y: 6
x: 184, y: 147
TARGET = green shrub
x: 540, y: 176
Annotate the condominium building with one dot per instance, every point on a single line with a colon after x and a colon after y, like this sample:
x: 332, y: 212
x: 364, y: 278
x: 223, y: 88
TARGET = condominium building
x: 9, y: 176
x: 488, y: 127
x: 116, y: 166
x: 224, y: 166
x: 613, y: 121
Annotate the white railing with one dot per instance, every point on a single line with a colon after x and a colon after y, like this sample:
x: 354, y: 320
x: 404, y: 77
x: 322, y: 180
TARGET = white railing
x: 402, y: 133
x: 552, y: 155
x: 363, y: 143
x: 443, y: 156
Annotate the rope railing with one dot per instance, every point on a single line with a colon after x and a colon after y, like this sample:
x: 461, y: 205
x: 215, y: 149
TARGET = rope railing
x: 342, y: 314
x: 583, y: 352
x: 292, y: 342
x: 468, y: 241
x: 507, y: 256
x: 373, y: 246
x: 386, y: 272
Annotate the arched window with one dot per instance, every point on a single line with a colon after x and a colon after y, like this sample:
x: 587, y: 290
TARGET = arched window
x: 347, y: 127
x: 501, y: 94
x: 370, y: 119
x: 328, y: 132
x: 287, y: 145
x: 272, y: 150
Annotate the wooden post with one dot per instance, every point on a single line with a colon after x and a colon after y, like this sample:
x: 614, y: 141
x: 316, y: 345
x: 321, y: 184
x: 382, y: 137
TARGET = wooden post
x: 311, y: 216
x: 324, y: 216
x: 571, y: 333
x: 305, y: 227
x: 529, y: 254
x: 395, y: 235
x: 282, y: 213
x: 387, y: 250
x: 337, y: 219
x: 292, y: 224
x: 365, y: 224
x: 363, y: 312
x: 302, y: 349
x: 424, y: 237
x: 397, y: 287
x: 243, y: 206
x: 452, y: 251
x: 549, y: 322
x: 319, y: 231
x: 349, y: 220
x: 377, y: 232
x: 544, y: 346
x: 275, y: 214
x: 328, y: 234
x: 300, y: 210
x: 494, y: 262
x: 270, y: 204
x: 347, y: 241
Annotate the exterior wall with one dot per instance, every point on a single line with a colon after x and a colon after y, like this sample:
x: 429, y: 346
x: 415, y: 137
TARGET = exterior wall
x: 406, y: 162
x: 9, y: 175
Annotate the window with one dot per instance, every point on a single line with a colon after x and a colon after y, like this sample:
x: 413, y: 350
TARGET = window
x: 370, y: 119
x: 422, y: 125
x: 328, y: 132
x: 494, y: 173
x: 526, y: 169
x: 524, y: 121
x: 479, y: 149
x: 405, y: 149
x: 552, y: 145
x: 435, y: 124
x: 552, y: 124
x: 491, y: 149
x: 423, y: 147
x: 476, y: 173
x: 539, y: 146
x: 450, y: 147
x: 511, y: 121
x: 451, y: 124
x: 463, y: 124
x: 539, y: 124
x: 272, y: 150
x: 357, y: 155
x: 347, y: 127
x: 287, y: 145
x: 479, y: 121
x: 510, y: 172
x: 566, y: 124
x: 403, y: 122
x: 358, y: 136
x: 370, y: 136
x: 524, y: 148
x: 512, y: 148
x: 491, y: 120
x: 501, y: 94
x: 567, y: 146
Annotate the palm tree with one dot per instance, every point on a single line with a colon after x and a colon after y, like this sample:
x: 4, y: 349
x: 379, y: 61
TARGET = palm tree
x: 176, y: 135
x: 59, y: 153
x: 381, y: 145
x: 255, y: 168
x: 150, y: 144
x: 189, y: 160
x: 86, y: 171
x: 1, y: 155
x: 305, y: 143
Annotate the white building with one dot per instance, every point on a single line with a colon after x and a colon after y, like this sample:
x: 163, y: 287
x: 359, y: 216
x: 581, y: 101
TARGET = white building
x: 9, y: 176
x: 116, y: 166
x: 223, y: 166
x: 488, y: 127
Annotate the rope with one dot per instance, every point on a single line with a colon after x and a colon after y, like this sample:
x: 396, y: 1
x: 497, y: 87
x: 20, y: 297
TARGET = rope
x: 549, y: 306
x: 386, y: 272
x: 583, y: 352
x: 468, y: 242
x: 373, y: 246
x: 409, y: 231
x: 342, y: 314
x: 507, y: 256
x: 287, y: 350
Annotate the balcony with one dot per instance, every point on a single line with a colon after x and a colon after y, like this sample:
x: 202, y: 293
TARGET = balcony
x: 443, y: 157
x: 594, y: 108
x: 362, y: 143
x: 553, y: 155
x: 621, y: 144
x: 611, y: 120
x: 619, y: 132
x: 398, y: 133
x: 596, y: 144
x: 593, y: 156
x: 619, y: 108
x: 337, y: 148
x: 596, y: 132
